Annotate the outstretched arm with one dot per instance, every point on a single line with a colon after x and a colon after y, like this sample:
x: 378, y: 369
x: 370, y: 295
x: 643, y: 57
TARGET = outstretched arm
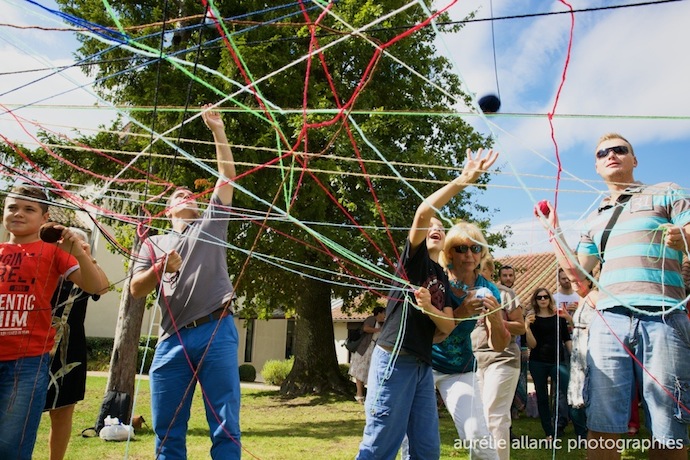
x: 89, y: 277
x: 577, y: 275
x: 474, y: 167
x: 226, y: 163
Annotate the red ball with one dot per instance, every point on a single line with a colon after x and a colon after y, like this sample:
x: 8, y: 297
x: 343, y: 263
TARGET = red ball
x: 544, y: 207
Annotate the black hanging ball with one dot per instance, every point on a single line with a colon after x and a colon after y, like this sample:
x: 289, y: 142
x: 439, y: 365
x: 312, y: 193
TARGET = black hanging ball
x: 490, y: 103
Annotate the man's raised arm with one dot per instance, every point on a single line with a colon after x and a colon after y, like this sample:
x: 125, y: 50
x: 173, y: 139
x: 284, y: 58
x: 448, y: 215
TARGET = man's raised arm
x: 226, y: 163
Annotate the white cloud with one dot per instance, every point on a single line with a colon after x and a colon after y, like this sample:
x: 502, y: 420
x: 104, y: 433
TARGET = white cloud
x: 529, y: 237
x: 57, y: 111
x: 23, y: 50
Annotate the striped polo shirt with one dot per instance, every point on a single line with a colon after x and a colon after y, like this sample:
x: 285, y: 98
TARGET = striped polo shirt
x: 639, y: 270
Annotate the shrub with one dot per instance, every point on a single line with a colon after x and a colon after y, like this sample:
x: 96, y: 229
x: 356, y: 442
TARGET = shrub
x: 98, y: 351
x: 151, y: 339
x: 344, y: 369
x: 276, y: 371
x: 247, y: 373
x: 149, y: 358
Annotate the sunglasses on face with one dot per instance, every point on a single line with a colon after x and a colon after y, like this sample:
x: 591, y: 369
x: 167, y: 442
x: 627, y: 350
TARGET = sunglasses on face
x: 463, y: 248
x: 542, y: 297
x: 618, y: 150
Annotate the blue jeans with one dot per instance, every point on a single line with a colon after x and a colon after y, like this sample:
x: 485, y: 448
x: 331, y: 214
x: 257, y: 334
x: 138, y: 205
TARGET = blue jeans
x: 400, y: 401
x: 172, y: 387
x: 23, y: 389
x: 662, y: 346
x: 540, y: 374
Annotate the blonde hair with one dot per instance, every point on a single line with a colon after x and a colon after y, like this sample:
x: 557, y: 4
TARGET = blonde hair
x: 609, y: 136
x: 488, y: 264
x: 463, y: 231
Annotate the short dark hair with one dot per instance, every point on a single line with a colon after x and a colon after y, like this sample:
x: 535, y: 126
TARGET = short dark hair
x: 378, y: 310
x: 505, y: 267
x: 30, y: 193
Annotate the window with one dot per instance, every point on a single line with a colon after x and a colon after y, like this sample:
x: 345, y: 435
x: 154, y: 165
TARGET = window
x: 249, y: 341
x: 290, y: 338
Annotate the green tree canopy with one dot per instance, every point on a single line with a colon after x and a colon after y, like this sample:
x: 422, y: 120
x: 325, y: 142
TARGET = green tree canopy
x: 313, y: 181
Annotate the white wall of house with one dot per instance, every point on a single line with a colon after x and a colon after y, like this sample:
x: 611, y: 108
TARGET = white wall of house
x: 340, y: 333
x: 102, y: 316
x: 269, y: 342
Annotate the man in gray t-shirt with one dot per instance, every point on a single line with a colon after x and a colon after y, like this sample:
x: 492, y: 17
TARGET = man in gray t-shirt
x: 198, y: 338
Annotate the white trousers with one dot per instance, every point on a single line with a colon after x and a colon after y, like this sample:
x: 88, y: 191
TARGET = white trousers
x: 498, y: 382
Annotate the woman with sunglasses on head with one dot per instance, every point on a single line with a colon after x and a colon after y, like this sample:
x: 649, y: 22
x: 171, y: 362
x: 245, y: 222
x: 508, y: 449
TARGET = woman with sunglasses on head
x: 547, y: 335
x: 485, y: 335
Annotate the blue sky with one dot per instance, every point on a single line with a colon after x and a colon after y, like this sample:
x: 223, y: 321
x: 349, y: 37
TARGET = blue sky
x: 628, y: 73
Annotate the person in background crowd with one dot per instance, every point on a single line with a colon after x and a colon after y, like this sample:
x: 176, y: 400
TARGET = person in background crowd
x: 566, y: 299
x: 68, y: 368
x: 547, y: 337
x: 361, y: 358
x: 578, y: 323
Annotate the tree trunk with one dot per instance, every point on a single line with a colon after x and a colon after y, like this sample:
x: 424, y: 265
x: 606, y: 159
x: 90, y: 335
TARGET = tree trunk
x: 123, y: 361
x: 315, y: 370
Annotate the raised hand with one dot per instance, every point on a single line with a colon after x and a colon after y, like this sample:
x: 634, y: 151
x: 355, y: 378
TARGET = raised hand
x: 476, y: 165
x: 212, y: 118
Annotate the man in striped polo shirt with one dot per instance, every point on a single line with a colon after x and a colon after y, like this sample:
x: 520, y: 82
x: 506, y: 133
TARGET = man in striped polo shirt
x: 641, y: 336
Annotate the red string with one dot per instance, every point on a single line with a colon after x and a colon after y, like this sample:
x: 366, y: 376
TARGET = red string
x: 557, y: 98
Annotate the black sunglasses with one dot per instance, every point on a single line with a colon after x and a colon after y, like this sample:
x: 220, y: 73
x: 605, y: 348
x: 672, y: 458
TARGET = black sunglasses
x: 618, y: 150
x: 542, y: 297
x: 463, y: 248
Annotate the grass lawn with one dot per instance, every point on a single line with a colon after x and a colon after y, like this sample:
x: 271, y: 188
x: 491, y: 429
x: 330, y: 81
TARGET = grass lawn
x: 272, y: 428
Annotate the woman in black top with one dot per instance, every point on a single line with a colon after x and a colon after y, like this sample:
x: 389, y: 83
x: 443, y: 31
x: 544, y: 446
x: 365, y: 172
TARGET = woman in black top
x: 547, y: 334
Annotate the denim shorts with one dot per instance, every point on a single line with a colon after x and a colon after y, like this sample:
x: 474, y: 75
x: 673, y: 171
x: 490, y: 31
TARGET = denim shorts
x: 23, y: 389
x: 659, y: 367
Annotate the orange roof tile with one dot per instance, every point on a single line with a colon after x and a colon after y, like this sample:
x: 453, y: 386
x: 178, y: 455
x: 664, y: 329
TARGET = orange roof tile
x: 68, y: 217
x: 347, y: 317
x: 533, y: 271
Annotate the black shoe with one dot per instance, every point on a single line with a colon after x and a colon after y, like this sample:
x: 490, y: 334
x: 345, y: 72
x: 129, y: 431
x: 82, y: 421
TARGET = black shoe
x: 560, y: 432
